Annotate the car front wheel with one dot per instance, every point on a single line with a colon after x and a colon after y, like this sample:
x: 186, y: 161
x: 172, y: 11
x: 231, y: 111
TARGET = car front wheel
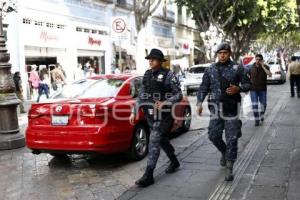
x: 140, y: 142
x: 186, y: 124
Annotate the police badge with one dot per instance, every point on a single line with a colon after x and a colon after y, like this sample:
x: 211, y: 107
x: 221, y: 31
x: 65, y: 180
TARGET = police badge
x: 160, y: 78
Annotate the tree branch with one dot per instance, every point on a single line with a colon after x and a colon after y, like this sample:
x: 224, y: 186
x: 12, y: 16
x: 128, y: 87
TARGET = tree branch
x: 152, y: 10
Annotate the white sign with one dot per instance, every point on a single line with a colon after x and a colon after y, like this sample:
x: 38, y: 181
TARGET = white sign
x: 119, y: 27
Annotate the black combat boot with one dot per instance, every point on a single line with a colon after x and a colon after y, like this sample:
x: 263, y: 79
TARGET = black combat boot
x: 223, y: 159
x: 173, y: 165
x: 147, y: 179
x: 228, y: 173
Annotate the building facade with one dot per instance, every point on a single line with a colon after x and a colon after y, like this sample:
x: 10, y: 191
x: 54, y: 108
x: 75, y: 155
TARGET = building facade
x: 69, y: 32
x: 79, y: 32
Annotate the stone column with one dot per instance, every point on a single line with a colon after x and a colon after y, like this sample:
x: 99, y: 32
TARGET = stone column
x: 10, y: 136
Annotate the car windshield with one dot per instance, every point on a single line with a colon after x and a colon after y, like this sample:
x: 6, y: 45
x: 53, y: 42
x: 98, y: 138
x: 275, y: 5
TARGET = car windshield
x: 90, y: 88
x: 274, y: 67
x: 197, y: 70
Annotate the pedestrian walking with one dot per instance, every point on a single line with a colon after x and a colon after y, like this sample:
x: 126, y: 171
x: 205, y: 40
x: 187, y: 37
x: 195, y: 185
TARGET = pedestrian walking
x: 19, y: 90
x: 258, y: 75
x: 58, y: 77
x: 34, y: 81
x: 225, y: 81
x: 127, y: 70
x: 294, y: 76
x: 117, y: 70
x: 44, y: 84
x: 160, y: 90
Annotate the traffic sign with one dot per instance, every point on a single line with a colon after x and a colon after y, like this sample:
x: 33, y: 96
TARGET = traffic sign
x: 248, y: 60
x: 119, y: 28
x: 119, y: 25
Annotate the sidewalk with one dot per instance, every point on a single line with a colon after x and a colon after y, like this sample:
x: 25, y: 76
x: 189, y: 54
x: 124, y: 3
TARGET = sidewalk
x: 267, y: 167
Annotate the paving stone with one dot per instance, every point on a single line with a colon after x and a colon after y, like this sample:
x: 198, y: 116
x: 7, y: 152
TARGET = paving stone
x: 176, y: 179
x: 266, y: 193
x: 196, y: 191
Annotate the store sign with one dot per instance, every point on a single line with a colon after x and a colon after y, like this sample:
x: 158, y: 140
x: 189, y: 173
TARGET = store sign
x: 186, y: 46
x: 46, y: 37
x: 93, y: 41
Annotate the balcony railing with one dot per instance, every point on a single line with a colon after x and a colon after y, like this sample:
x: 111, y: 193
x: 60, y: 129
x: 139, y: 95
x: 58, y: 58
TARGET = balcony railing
x: 165, y: 14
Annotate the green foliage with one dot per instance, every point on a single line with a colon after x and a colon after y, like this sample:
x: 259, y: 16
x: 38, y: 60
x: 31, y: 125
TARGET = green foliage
x: 243, y: 21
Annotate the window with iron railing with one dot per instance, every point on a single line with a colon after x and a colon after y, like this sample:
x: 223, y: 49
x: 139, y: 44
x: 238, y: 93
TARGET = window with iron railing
x: 26, y: 21
x: 50, y: 25
x: 121, y: 2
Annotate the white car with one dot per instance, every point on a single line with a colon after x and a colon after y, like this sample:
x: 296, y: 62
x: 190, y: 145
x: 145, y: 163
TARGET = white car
x: 278, y: 74
x: 193, y: 78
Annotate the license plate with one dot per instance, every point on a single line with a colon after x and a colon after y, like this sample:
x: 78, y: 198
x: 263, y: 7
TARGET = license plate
x: 60, y: 120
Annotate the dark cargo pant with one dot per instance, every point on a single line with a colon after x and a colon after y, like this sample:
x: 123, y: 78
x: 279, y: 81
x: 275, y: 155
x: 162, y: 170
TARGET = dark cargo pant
x: 159, y: 138
x: 232, y: 126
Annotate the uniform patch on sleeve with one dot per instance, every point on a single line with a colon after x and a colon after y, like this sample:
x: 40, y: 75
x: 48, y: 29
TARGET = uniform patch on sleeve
x: 173, y: 79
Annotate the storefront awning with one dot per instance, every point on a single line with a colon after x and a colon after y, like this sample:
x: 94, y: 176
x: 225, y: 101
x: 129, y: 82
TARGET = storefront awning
x: 82, y: 52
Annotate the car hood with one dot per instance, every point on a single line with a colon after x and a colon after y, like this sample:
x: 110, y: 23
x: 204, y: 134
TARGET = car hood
x: 76, y: 101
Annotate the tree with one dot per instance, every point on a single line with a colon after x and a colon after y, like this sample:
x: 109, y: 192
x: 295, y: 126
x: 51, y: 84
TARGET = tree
x: 142, y: 10
x: 243, y: 21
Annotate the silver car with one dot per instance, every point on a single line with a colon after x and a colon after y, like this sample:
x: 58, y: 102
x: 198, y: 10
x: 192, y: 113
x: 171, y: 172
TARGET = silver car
x: 278, y: 74
x: 193, y: 78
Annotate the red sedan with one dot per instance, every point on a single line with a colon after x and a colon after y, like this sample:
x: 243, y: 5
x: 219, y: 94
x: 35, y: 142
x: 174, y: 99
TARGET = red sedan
x: 92, y: 116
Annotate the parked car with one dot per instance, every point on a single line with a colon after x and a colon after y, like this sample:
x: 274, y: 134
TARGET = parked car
x: 278, y: 74
x: 193, y: 78
x: 92, y: 116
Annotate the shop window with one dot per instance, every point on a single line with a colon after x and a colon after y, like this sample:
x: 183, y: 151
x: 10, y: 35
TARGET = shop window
x: 94, y: 31
x: 26, y: 21
x: 102, y: 32
x: 78, y: 29
x: 50, y: 25
x: 60, y: 26
x: 38, y: 23
x: 86, y: 30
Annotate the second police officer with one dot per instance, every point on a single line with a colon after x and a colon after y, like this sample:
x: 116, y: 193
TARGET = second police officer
x: 160, y: 90
x: 224, y: 81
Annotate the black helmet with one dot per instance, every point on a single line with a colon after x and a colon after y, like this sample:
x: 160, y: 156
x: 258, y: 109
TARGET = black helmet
x: 223, y: 46
x: 156, y: 54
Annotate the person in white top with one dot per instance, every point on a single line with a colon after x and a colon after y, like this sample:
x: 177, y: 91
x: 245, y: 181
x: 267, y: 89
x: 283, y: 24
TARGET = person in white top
x: 117, y: 70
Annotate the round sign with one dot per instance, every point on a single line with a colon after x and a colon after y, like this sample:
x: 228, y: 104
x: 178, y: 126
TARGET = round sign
x: 119, y: 25
x: 248, y: 60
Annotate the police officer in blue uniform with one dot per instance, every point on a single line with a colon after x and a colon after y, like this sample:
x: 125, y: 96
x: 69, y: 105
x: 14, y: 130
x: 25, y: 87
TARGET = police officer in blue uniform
x: 160, y: 90
x: 224, y: 81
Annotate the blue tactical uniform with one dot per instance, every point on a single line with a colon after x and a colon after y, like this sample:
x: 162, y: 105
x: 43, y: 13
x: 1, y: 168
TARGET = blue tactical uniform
x: 212, y: 83
x: 160, y: 85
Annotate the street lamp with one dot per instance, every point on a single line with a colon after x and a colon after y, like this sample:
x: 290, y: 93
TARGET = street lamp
x: 10, y: 136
